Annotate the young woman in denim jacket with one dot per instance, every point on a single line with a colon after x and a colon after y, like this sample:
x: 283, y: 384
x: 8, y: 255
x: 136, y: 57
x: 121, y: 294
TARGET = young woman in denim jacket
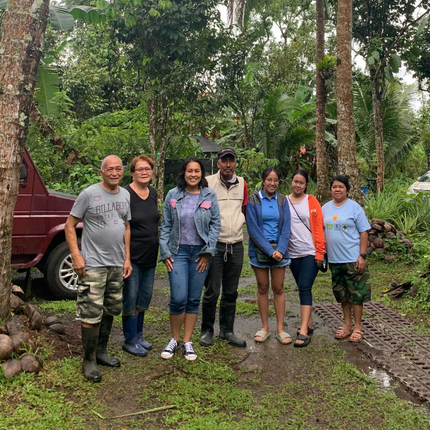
x: 189, y: 232
x: 268, y: 222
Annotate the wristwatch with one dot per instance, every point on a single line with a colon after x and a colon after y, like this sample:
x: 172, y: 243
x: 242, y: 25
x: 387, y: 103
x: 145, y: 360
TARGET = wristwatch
x: 363, y: 256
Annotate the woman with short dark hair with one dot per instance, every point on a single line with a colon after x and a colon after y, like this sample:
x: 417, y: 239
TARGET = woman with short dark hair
x: 189, y: 233
x: 268, y: 222
x: 346, y: 228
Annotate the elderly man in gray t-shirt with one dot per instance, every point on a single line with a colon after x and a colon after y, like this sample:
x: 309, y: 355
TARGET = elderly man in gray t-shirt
x: 104, y: 262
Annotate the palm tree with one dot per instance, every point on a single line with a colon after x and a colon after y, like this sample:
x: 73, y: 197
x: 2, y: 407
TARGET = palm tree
x: 397, y: 120
x: 323, y: 193
x: 347, y: 154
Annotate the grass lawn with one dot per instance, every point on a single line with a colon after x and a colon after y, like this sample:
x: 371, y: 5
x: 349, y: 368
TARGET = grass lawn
x: 225, y: 389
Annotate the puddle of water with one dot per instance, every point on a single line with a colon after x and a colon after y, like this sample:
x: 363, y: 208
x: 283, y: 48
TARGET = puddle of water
x: 383, y: 379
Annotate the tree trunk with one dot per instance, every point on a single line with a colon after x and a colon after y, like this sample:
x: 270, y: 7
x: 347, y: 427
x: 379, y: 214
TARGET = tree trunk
x: 152, y: 121
x: 160, y: 160
x: 347, y: 153
x: 379, y: 133
x: 323, y: 192
x: 22, y: 33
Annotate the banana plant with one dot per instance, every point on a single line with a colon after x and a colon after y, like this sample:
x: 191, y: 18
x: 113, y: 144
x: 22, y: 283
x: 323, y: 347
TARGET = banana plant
x: 63, y: 17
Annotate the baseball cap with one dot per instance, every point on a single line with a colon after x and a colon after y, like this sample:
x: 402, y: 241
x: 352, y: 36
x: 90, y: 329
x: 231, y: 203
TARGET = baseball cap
x: 226, y: 151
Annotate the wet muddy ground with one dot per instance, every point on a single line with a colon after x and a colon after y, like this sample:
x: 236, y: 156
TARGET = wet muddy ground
x: 262, y: 369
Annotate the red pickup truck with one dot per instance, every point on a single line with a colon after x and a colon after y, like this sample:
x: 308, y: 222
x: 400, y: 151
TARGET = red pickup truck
x: 38, y: 238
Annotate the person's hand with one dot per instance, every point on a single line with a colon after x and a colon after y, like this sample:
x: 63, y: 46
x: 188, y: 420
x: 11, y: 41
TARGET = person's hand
x: 79, y: 265
x: 203, y: 261
x: 277, y: 256
x: 169, y: 263
x: 319, y: 262
x: 361, y: 264
x: 127, y: 269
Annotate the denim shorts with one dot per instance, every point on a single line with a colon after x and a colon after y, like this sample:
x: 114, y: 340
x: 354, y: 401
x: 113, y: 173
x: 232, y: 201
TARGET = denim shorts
x: 255, y: 263
x: 186, y: 283
x: 138, y: 289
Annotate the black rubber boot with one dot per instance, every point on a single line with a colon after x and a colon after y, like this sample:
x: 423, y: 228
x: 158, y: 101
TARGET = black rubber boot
x: 208, y: 319
x: 226, y: 323
x: 89, y: 342
x: 102, y: 355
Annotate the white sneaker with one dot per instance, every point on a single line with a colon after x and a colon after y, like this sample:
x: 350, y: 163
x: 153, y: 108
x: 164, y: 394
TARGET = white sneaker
x: 170, y: 349
x: 188, y: 350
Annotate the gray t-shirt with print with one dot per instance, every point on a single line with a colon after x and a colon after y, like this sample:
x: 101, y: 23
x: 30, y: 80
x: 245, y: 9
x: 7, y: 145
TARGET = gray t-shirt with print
x: 104, y: 215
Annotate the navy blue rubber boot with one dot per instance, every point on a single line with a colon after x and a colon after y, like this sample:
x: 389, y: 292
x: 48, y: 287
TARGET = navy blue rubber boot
x: 140, y: 339
x: 131, y: 345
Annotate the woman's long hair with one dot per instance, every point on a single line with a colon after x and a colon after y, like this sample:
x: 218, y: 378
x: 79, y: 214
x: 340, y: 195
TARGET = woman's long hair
x: 180, y: 180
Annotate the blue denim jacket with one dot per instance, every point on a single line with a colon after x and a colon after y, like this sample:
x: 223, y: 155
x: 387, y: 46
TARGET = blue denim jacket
x: 206, y: 217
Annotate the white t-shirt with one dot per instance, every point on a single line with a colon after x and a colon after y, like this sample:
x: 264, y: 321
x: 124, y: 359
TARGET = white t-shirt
x: 301, y: 241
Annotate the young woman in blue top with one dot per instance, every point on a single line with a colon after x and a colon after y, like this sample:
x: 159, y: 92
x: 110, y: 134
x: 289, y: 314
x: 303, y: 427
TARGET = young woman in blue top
x: 346, y: 227
x: 189, y: 233
x: 268, y: 222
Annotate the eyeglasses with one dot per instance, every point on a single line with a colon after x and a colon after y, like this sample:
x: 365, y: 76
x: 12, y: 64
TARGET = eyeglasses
x: 143, y: 170
x: 275, y: 181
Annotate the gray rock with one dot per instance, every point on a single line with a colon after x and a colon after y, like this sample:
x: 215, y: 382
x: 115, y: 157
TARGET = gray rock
x: 53, y: 319
x: 58, y: 328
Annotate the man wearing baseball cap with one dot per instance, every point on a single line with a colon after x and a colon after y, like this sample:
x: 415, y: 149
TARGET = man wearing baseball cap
x: 226, y: 266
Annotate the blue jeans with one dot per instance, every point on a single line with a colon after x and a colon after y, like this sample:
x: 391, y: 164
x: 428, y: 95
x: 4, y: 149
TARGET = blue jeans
x: 138, y: 289
x: 304, y: 271
x: 186, y: 283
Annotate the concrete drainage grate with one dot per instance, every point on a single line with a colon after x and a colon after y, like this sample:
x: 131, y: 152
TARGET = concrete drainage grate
x: 391, y: 341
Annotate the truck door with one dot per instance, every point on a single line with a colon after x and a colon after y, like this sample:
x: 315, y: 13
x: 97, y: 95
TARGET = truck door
x: 21, y: 219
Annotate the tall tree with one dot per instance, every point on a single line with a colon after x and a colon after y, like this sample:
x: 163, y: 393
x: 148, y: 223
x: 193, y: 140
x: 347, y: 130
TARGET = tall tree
x: 22, y: 31
x: 386, y: 30
x: 323, y: 193
x: 347, y: 153
x: 170, y: 42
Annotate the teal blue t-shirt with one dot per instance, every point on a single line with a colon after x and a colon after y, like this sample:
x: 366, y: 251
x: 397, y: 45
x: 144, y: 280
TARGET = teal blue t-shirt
x: 342, y: 228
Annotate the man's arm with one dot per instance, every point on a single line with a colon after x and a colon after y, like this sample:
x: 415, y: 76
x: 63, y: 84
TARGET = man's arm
x: 126, y: 272
x: 72, y: 241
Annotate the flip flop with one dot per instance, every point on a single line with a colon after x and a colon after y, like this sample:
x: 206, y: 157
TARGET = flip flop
x: 263, y: 334
x: 342, y: 333
x: 282, y: 336
x: 356, y: 337
x: 306, y: 341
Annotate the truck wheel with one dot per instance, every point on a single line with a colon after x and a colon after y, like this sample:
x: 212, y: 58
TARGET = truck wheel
x: 62, y: 279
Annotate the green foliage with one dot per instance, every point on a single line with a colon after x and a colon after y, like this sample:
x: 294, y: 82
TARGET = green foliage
x: 400, y: 135
x: 124, y: 133
x: 410, y: 214
x: 328, y: 62
x: 251, y: 166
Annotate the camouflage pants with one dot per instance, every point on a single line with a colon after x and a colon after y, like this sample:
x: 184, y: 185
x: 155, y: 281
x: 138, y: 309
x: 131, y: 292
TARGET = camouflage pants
x: 99, y: 292
x: 349, y: 285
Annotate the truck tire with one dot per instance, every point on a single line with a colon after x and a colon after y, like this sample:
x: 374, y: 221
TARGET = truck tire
x: 59, y: 273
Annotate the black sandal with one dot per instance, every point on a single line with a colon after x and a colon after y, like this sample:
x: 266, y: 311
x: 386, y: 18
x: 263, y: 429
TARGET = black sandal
x: 310, y: 331
x: 306, y: 341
